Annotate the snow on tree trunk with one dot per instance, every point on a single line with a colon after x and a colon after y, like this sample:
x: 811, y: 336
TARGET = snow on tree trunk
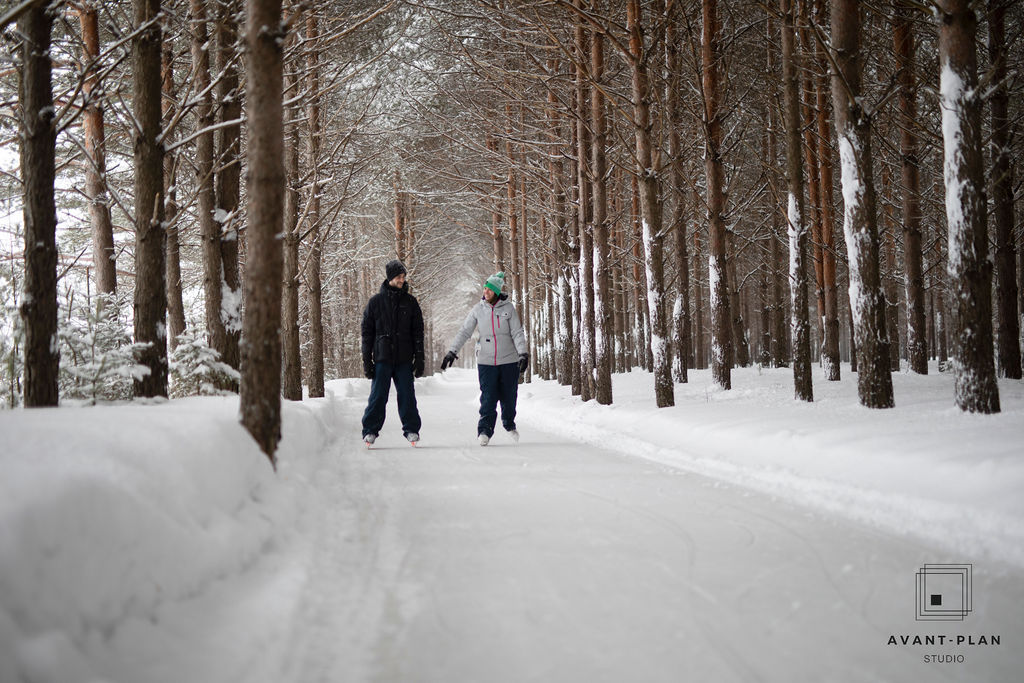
x: 602, y: 301
x: 584, y: 195
x: 261, y: 344
x: 681, y: 307
x: 970, y: 271
x: 721, y: 335
x: 150, y: 234
x: 38, y: 136
x: 830, y: 345
x: 853, y: 128
x: 650, y: 211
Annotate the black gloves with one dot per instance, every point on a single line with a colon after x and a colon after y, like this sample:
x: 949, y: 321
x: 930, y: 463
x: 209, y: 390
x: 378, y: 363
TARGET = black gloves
x: 449, y: 358
x: 524, y: 362
x: 368, y: 369
x: 417, y: 365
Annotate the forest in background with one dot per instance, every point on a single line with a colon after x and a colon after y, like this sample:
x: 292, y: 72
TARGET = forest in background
x: 670, y: 185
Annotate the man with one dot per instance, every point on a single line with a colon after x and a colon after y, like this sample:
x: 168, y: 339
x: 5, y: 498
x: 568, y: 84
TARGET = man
x: 392, y: 350
x: 501, y: 356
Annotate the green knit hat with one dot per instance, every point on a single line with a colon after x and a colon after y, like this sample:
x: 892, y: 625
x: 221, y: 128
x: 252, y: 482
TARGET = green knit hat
x: 495, y: 282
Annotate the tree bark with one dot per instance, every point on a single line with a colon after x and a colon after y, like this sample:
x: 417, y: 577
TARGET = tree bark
x: 892, y: 299
x: 718, y: 284
x: 800, y: 325
x: 38, y: 134
x: 585, y: 197
x: 102, y: 229
x: 314, y: 284
x: 229, y: 96
x: 860, y: 222
x: 261, y: 349
x: 1009, y: 350
x: 700, y: 352
x: 291, y: 387
x: 560, y: 237
x: 681, y: 308
x: 830, y: 345
x: 903, y: 42
x: 970, y: 272
x: 650, y: 207
x: 602, y: 302
x: 779, y: 345
x: 150, y: 236
x: 209, y: 229
x: 172, y: 252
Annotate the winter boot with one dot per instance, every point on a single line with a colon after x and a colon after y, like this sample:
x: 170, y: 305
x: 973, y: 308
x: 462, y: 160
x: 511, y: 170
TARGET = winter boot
x: 369, y: 439
x: 413, y: 437
x: 484, y: 439
x: 514, y: 433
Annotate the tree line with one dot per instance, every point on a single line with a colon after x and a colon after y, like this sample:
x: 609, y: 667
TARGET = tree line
x: 664, y: 182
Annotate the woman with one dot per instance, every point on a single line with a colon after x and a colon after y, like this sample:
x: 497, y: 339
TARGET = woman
x: 500, y: 357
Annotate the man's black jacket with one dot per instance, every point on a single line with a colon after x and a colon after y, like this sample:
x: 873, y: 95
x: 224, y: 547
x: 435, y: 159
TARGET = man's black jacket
x: 392, y: 327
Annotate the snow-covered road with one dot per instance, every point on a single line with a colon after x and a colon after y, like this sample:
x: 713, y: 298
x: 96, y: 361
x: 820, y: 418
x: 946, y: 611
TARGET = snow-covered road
x: 549, y: 560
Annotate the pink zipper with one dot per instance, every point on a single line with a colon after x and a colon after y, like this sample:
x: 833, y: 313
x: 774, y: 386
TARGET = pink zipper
x: 494, y: 336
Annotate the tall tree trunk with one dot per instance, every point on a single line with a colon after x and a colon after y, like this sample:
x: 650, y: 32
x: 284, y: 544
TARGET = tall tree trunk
x: 741, y: 339
x: 314, y: 284
x: 853, y: 128
x: 400, y: 238
x: 496, y: 237
x: 229, y: 96
x: 209, y: 229
x: 585, y: 197
x: 102, y: 229
x: 892, y: 299
x: 560, y: 237
x: 808, y: 100
x: 38, y: 139
x: 1009, y: 350
x: 802, y: 385
x: 700, y: 352
x: 291, y: 387
x: 681, y: 308
x: 511, y: 184
x: 718, y: 284
x: 970, y: 272
x: 650, y: 207
x: 172, y: 252
x: 261, y: 349
x: 779, y: 345
x: 150, y: 236
x: 903, y: 42
x: 602, y: 303
x: 830, y: 345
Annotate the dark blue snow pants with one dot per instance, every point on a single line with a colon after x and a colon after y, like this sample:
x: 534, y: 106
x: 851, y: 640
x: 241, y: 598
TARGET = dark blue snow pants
x: 497, y: 383
x: 376, y: 407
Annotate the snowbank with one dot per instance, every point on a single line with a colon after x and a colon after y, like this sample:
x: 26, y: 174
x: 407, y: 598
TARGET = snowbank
x: 923, y: 468
x: 108, y: 513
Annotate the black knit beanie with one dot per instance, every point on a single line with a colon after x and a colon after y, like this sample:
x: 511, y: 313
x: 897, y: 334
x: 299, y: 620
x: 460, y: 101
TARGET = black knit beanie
x: 394, y: 268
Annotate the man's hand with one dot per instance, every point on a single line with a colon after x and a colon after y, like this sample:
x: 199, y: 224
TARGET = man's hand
x: 368, y: 370
x: 449, y: 358
x: 417, y: 365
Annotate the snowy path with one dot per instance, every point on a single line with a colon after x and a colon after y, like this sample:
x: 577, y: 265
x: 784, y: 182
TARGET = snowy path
x: 553, y: 561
